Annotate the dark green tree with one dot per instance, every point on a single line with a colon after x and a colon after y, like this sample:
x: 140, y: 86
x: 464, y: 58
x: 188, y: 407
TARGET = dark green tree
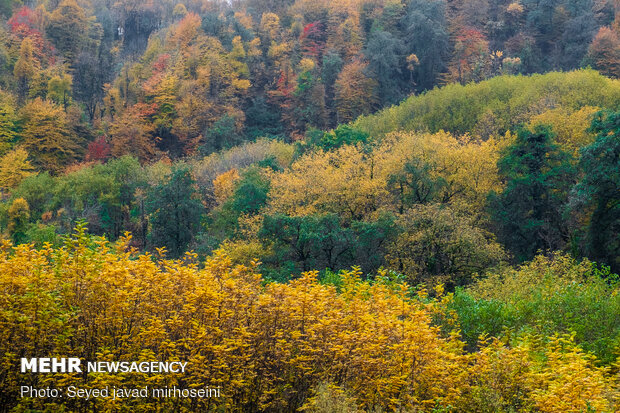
x: 251, y: 192
x: 342, y: 135
x: 415, y: 185
x: 175, y: 212
x: 538, y: 175
x: 426, y: 36
x: 599, y: 190
x: 313, y: 241
x: 385, y: 61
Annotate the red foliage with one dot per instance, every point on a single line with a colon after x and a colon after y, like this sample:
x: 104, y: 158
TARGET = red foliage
x: 286, y: 86
x: 470, y: 42
x: 161, y: 63
x: 144, y: 110
x: 313, y: 40
x: 98, y: 150
x: 23, y: 24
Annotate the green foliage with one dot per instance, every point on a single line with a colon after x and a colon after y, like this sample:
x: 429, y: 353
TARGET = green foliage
x: 222, y: 135
x: 548, y: 296
x: 18, y: 216
x: 507, y: 100
x: 251, y: 192
x: 174, y: 212
x: 599, y: 190
x: 437, y: 244
x: 342, y: 135
x: 529, y: 211
x: 322, y: 241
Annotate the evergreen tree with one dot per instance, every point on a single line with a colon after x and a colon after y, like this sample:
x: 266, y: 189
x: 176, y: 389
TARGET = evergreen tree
x: 537, y: 176
x: 174, y: 212
x: 600, y: 189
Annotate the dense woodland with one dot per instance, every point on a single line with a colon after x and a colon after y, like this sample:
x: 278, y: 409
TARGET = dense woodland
x: 322, y: 205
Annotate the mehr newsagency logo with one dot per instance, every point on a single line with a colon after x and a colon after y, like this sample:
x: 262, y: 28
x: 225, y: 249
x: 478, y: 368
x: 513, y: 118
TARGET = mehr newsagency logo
x: 74, y: 365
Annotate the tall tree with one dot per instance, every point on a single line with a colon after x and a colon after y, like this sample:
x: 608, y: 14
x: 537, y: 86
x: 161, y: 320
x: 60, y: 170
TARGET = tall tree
x: 47, y: 137
x: 599, y: 189
x: 604, y: 52
x: 355, y: 93
x: 528, y: 212
x: 174, y: 212
x: 68, y: 29
x: 385, y: 62
x: 426, y: 36
x: 25, y: 68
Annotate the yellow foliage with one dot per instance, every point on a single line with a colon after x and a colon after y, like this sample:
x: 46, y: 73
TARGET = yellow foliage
x: 14, y: 167
x: 243, y: 252
x: 568, y: 381
x: 353, y: 183
x: 341, y: 181
x: 224, y: 185
x: 260, y: 344
x: 570, y: 126
x: 268, y: 347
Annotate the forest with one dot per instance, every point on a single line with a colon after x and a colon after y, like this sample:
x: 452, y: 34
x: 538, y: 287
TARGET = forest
x: 322, y: 206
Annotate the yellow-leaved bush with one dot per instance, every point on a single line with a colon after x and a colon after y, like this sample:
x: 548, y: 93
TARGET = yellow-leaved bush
x: 268, y: 347
x: 354, y: 182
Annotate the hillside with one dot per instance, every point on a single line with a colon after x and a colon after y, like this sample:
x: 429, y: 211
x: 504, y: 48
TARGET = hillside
x: 362, y: 205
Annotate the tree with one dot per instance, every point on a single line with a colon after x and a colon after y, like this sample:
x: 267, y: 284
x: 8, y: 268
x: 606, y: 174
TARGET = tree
x: 528, y: 212
x: 342, y: 135
x: 8, y: 122
x: 438, y: 245
x: 59, y: 89
x: 471, y: 57
x: 25, y: 68
x: 250, y: 192
x: 19, y: 217
x: 313, y: 241
x: 599, y: 190
x: 385, y: 62
x: 14, y: 167
x: 415, y: 184
x: 47, y: 137
x: 88, y: 74
x: 131, y: 133
x: 221, y: 135
x: 174, y: 212
x: 604, y: 52
x: 355, y: 92
x: 426, y: 37
x: 68, y: 28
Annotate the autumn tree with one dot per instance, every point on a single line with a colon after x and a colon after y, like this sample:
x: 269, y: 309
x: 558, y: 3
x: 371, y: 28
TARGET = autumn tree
x: 355, y: 92
x: 14, y: 167
x: 604, y: 52
x: 67, y: 29
x: 47, y: 137
x: 59, y: 89
x: 131, y: 133
x: 471, y: 57
x: 435, y: 244
x: 25, y: 68
x: 8, y: 122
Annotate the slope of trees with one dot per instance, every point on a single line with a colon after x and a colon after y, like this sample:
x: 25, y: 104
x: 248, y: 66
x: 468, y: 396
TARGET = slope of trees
x: 457, y: 250
x: 198, y: 77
